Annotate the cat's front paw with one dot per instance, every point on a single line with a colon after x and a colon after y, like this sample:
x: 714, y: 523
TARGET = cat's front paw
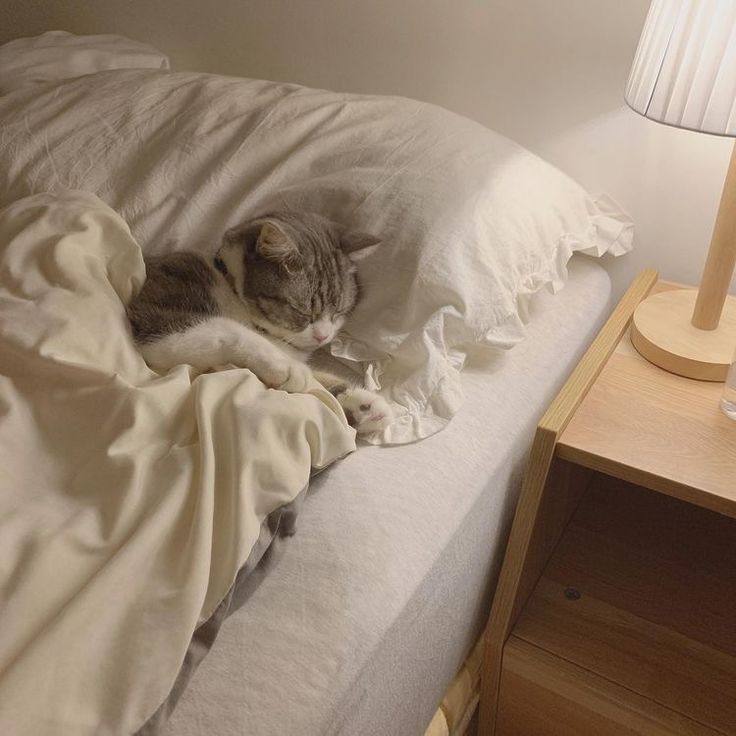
x: 287, y: 375
x: 365, y: 411
x: 298, y: 378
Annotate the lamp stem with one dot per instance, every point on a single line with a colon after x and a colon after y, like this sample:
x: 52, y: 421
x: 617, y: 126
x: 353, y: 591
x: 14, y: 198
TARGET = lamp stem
x: 719, y: 265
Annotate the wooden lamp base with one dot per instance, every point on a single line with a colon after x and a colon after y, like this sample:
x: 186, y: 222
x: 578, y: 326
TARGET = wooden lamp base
x: 662, y: 332
x: 693, y: 333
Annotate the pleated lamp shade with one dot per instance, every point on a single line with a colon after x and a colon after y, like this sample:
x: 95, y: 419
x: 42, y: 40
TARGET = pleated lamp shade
x: 684, y: 71
x: 684, y: 74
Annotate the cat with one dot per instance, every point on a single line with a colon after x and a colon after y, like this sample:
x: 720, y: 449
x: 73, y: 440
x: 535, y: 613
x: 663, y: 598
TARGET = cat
x: 279, y: 287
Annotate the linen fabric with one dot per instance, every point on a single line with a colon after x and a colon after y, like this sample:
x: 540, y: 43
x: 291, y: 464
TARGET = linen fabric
x: 59, y: 55
x: 471, y: 223
x: 129, y: 501
x: 385, y: 588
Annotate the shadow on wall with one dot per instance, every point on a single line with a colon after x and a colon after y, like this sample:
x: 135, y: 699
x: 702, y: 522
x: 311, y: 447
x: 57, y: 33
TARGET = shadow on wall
x: 526, y: 68
x: 669, y: 180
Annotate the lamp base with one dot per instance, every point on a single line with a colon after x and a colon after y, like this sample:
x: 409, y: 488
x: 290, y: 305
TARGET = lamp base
x: 662, y: 333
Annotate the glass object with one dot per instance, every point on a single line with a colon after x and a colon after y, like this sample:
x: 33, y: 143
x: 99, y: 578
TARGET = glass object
x: 728, y: 402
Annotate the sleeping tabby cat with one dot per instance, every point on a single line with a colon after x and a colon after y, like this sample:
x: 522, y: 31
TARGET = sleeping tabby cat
x: 279, y: 287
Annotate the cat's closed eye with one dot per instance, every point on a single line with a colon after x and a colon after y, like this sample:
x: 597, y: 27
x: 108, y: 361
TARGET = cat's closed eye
x: 306, y: 315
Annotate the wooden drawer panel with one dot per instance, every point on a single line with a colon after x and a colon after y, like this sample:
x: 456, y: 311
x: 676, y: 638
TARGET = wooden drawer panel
x: 543, y: 695
x: 650, y: 605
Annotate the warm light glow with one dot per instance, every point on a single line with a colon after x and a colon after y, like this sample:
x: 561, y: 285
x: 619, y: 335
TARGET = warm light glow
x: 684, y: 72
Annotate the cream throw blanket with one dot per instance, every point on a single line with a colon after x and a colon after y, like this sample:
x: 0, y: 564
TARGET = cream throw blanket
x: 128, y: 500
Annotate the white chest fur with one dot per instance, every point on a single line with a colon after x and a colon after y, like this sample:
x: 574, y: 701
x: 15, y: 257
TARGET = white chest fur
x: 232, y: 307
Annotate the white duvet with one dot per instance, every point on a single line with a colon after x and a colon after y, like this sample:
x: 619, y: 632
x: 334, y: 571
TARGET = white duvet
x: 129, y: 501
x: 471, y: 223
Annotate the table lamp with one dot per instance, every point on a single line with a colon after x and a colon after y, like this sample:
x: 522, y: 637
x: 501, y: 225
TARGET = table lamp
x: 684, y: 74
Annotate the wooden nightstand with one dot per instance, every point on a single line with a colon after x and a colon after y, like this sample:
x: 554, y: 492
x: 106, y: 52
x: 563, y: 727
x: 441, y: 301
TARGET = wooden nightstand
x: 615, y: 612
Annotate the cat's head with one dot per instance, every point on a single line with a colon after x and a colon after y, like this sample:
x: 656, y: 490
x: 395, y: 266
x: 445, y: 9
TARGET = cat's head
x: 296, y: 274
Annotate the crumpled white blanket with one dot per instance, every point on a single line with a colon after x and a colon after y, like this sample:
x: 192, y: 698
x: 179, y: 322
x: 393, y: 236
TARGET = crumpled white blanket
x: 128, y: 500
x: 58, y: 55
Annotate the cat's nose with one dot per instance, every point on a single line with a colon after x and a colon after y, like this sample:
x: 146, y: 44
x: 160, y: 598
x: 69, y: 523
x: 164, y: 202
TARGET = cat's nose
x: 319, y: 336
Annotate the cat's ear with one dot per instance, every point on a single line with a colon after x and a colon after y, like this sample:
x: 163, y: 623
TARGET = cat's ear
x: 352, y: 241
x: 275, y: 245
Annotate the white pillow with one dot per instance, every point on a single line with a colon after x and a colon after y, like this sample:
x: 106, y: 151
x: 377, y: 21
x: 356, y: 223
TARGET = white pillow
x: 471, y: 223
x: 62, y: 55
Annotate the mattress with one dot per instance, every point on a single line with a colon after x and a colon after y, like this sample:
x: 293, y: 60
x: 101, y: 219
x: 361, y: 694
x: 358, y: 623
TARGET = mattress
x: 375, y: 602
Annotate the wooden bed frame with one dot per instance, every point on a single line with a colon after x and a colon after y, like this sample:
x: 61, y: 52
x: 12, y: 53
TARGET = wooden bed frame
x: 530, y: 544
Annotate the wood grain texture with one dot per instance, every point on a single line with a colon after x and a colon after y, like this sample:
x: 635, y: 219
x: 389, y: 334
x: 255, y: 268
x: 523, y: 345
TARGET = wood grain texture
x: 461, y: 698
x: 663, y: 334
x: 560, y: 411
x: 658, y: 430
x: 661, y: 559
x: 565, y: 486
x: 542, y: 695
x: 657, y: 585
x: 719, y: 265
x: 506, y: 598
x: 652, y: 660
x: 522, y: 564
x: 438, y: 725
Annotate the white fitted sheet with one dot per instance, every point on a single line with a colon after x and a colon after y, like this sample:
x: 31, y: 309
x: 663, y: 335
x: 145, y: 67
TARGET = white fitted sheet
x: 376, y: 601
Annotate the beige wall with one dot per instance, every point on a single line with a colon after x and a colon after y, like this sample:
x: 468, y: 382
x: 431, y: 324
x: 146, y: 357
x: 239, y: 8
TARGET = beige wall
x: 548, y: 73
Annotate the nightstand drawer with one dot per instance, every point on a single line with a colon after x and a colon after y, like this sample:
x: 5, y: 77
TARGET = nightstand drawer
x: 543, y: 695
x: 616, y: 606
x: 632, y: 626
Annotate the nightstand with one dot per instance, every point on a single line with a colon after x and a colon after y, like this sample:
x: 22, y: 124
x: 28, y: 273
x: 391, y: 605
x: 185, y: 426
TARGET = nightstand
x: 615, y: 612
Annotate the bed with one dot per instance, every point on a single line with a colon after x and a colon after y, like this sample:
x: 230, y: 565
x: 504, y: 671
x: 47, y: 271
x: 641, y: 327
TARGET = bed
x: 357, y: 623
x: 416, y: 535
